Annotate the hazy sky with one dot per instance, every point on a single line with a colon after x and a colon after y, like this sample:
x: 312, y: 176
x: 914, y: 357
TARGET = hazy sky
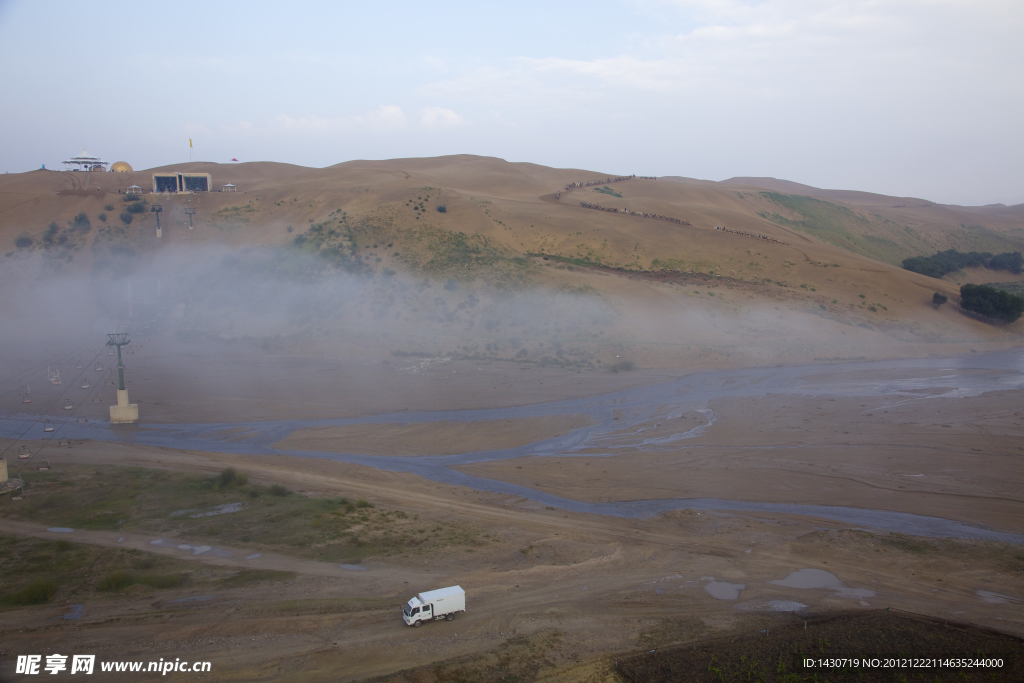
x: 904, y: 97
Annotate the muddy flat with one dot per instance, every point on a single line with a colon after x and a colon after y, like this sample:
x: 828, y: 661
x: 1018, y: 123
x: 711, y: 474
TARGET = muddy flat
x: 432, y: 438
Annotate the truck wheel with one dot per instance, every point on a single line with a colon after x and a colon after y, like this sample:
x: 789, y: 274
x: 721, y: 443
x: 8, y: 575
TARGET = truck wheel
x: 449, y: 617
x: 418, y: 623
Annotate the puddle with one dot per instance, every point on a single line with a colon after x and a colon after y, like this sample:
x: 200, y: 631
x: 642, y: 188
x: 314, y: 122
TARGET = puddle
x: 60, y: 529
x: 254, y: 556
x: 997, y: 598
x: 819, y: 578
x: 75, y: 613
x: 772, y: 606
x: 723, y: 590
x: 353, y: 567
x: 195, y: 549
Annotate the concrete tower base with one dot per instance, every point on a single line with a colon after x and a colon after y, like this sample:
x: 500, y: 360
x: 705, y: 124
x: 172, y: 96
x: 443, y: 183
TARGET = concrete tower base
x: 124, y: 412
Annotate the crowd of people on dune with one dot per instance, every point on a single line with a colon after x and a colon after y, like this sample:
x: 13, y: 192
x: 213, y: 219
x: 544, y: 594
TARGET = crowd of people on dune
x: 758, y: 236
x: 641, y: 214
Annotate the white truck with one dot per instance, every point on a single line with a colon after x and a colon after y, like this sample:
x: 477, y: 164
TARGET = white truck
x: 440, y: 604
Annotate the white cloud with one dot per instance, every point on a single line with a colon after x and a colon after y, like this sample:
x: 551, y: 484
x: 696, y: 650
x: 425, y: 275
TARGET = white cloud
x: 385, y: 116
x: 439, y: 117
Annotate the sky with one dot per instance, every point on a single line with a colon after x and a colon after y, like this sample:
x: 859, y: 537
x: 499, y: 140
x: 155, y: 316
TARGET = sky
x: 920, y: 98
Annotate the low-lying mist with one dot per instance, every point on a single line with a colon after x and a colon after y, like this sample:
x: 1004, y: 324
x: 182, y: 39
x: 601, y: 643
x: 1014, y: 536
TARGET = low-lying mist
x: 281, y: 300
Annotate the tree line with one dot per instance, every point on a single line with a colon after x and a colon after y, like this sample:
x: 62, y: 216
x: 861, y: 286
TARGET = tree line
x: 990, y: 302
x: 951, y: 260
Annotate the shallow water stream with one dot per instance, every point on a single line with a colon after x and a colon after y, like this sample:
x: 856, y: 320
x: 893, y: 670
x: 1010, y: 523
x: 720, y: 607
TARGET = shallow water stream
x: 640, y: 411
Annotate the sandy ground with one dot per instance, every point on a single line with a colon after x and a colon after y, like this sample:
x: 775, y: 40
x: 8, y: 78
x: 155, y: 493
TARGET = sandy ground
x: 952, y: 458
x: 605, y: 584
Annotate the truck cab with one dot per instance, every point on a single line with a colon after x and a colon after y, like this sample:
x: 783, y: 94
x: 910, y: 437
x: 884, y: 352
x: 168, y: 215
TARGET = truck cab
x: 416, y: 611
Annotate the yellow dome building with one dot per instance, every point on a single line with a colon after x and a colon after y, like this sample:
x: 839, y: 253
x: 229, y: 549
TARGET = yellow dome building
x: 120, y: 167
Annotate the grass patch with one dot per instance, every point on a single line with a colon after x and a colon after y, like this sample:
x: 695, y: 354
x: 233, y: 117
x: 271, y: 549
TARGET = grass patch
x: 775, y: 654
x: 36, y: 592
x: 270, y: 517
x: 250, y: 576
x: 34, y: 571
x: 115, y: 581
x: 870, y: 236
x: 517, y: 660
x: 609, y: 191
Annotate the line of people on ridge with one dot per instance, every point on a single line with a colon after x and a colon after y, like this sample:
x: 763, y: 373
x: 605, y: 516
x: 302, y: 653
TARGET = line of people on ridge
x: 573, y: 185
x: 641, y: 214
x: 758, y: 236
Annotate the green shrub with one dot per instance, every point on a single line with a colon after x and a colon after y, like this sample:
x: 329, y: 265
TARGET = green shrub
x: 126, y: 218
x: 278, y: 490
x: 938, y: 298
x: 623, y: 366
x: 115, y: 581
x: 361, y: 503
x: 36, y: 592
x: 23, y: 242
x: 50, y: 232
x: 81, y: 223
x: 162, y: 580
x: 102, y: 217
x: 137, y: 207
x: 442, y: 208
x: 229, y: 479
x: 108, y: 207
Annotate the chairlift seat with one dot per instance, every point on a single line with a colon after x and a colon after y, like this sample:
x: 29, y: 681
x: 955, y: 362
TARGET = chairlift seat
x: 47, y: 426
x: 26, y: 399
x: 64, y: 441
x: 99, y: 367
x: 68, y: 404
x: 85, y: 384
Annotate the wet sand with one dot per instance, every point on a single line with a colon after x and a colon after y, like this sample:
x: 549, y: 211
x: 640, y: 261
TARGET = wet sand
x: 432, y: 438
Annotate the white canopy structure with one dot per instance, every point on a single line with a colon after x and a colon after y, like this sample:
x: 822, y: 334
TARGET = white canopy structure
x: 86, y: 162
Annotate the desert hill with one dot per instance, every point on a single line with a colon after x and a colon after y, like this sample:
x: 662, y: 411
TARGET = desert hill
x: 828, y: 257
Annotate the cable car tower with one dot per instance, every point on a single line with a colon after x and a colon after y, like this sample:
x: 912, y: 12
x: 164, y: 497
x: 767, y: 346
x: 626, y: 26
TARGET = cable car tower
x: 123, y: 412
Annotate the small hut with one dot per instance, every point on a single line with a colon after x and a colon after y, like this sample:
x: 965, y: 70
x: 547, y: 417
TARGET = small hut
x: 229, y: 188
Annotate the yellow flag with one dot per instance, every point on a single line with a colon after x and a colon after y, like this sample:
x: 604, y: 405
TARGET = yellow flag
x: 190, y: 143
